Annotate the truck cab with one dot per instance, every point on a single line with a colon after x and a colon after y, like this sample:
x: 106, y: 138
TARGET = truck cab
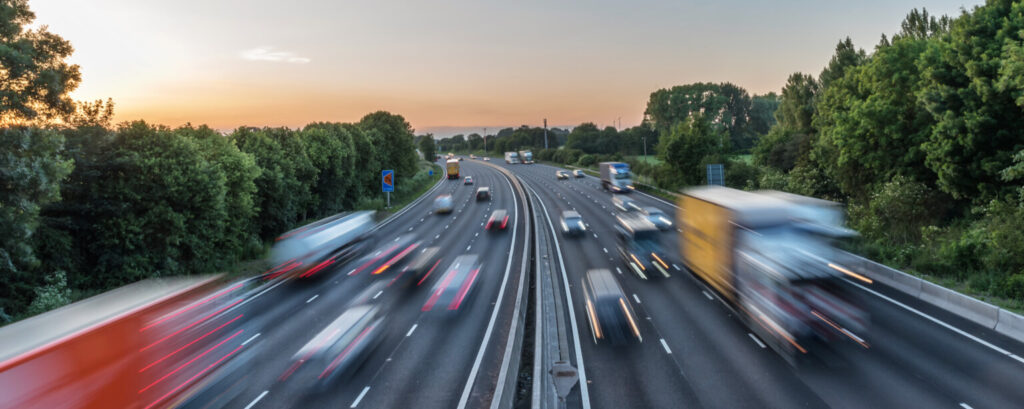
x: 616, y: 177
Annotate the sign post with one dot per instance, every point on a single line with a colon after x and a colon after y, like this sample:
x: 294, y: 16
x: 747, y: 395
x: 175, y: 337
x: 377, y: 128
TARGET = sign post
x: 387, y: 183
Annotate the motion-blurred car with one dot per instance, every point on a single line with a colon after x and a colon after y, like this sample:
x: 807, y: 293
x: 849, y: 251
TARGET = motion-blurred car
x: 486, y: 158
x: 311, y: 249
x: 444, y: 204
x: 392, y: 253
x: 572, y: 223
x: 340, y: 348
x: 561, y: 175
x: 483, y: 193
x: 657, y: 217
x: 471, y: 156
x: 578, y: 173
x: 455, y: 286
x: 460, y: 158
x: 498, y: 220
x: 624, y: 203
x: 468, y: 180
x: 419, y: 268
x: 610, y: 313
x: 639, y: 246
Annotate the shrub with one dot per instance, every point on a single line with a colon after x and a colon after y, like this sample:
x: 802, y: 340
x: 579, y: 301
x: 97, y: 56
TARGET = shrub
x: 54, y: 294
x: 587, y: 160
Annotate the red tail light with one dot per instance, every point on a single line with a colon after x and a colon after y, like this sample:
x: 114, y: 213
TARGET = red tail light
x: 504, y: 222
x: 489, y: 224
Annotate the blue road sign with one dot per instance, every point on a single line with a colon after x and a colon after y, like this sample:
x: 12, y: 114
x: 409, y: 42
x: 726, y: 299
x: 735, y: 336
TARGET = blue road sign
x: 716, y: 174
x: 387, y: 180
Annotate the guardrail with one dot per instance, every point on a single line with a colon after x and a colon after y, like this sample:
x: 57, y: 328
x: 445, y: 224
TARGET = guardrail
x: 982, y: 313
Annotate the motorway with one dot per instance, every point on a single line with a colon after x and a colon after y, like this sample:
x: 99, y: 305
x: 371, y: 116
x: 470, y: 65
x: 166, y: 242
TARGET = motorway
x: 696, y: 353
x: 433, y: 359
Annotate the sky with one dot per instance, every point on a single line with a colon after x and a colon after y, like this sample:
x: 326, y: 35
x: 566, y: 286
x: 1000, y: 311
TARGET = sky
x: 446, y: 66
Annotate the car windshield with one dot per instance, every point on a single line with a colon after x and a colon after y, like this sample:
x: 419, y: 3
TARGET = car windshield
x: 622, y: 175
x: 571, y: 220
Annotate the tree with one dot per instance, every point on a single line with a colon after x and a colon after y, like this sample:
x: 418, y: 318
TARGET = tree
x: 762, y: 113
x: 684, y: 148
x: 34, y: 78
x: 393, y: 138
x: 847, y: 56
x: 796, y: 104
x: 973, y: 90
x: 32, y: 166
x: 427, y: 147
x: 725, y: 105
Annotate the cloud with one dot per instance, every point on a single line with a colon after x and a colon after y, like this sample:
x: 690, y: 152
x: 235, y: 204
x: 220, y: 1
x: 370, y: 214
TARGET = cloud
x: 268, y: 54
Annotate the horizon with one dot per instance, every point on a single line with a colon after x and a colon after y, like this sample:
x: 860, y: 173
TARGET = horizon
x: 445, y: 68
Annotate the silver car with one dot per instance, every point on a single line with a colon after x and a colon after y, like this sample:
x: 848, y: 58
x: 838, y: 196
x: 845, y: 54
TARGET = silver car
x: 624, y: 203
x: 444, y: 204
x: 658, y: 218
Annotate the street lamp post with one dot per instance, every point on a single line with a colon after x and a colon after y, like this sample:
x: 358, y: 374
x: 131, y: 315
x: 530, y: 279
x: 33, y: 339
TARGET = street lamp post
x: 645, y: 148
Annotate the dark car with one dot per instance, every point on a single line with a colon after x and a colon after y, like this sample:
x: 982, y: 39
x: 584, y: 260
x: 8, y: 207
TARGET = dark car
x: 419, y: 268
x: 609, y: 311
x: 639, y: 246
x: 455, y: 286
x: 498, y: 220
x: 340, y: 348
x: 572, y: 223
x: 483, y: 193
x: 657, y: 217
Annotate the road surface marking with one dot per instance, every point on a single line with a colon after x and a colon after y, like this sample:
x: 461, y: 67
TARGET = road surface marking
x: 477, y: 234
x: 410, y: 229
x: 965, y: 406
x: 938, y: 321
x: 637, y: 299
x: 411, y: 330
x: 759, y: 343
x: 360, y: 397
x: 605, y: 250
x: 250, y: 339
x: 258, y: 398
x: 595, y: 235
x: 378, y: 253
x: 468, y: 247
x: 619, y: 270
x: 312, y: 298
x: 437, y: 237
x: 1017, y: 358
x: 665, y: 345
x: 446, y: 226
x: 396, y: 238
x: 707, y: 295
x: 378, y: 294
x: 422, y: 219
x: 676, y: 267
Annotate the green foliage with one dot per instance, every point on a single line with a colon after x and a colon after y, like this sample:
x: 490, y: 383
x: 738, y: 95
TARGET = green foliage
x: 796, y: 104
x: 724, y: 105
x: 32, y: 166
x: 54, y: 294
x: 428, y: 148
x: 284, y: 184
x: 971, y: 89
x: 587, y: 160
x: 846, y: 57
x: 685, y: 147
x: 34, y: 78
x: 781, y: 148
x: 898, y: 211
x: 762, y: 113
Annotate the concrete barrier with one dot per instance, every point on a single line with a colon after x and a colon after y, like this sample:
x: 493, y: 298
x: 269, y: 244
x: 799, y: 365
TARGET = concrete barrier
x: 1010, y: 324
x: 975, y: 310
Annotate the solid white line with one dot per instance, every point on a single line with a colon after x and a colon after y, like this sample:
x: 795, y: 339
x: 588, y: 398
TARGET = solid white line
x: 250, y: 339
x: 360, y: 397
x: 665, y: 345
x: 936, y: 320
x: 619, y: 270
x: 258, y: 398
x: 464, y: 399
x: 759, y: 343
x: 1017, y: 358
x: 637, y: 299
x: 965, y: 406
x: 584, y: 389
x: 411, y: 329
x: 378, y: 294
x: 707, y: 295
x: 312, y: 298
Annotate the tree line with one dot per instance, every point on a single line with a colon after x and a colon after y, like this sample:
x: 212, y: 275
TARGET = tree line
x: 86, y: 205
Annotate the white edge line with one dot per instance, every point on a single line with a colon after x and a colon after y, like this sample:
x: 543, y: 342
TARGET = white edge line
x: 258, y: 398
x: 707, y: 295
x: 497, y: 305
x: 935, y: 320
x: 584, y: 390
x: 360, y: 397
x: 759, y: 343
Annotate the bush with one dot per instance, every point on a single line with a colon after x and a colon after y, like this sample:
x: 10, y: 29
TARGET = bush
x: 54, y: 294
x: 898, y: 211
x: 587, y: 160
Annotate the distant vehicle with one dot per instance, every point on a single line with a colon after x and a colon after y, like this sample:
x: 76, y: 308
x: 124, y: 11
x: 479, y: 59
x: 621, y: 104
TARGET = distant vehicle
x: 461, y: 158
x: 126, y: 348
x: 444, y: 204
x: 561, y: 175
x: 486, y: 158
x: 472, y: 156
x: 420, y: 267
x: 455, y: 286
x: 311, y: 249
x: 578, y: 173
x: 657, y: 217
x: 609, y: 311
x: 483, y: 193
x: 624, y: 204
x: 772, y: 255
x: 572, y: 223
x: 498, y: 220
x: 453, y: 168
x: 615, y: 176
x: 340, y: 348
x: 393, y: 253
x: 526, y: 157
x: 639, y: 246
x: 468, y: 180
x: 512, y: 158
x: 451, y: 155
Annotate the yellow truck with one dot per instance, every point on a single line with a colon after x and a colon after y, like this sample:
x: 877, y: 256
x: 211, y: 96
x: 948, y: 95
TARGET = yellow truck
x: 453, y: 168
x: 771, y: 257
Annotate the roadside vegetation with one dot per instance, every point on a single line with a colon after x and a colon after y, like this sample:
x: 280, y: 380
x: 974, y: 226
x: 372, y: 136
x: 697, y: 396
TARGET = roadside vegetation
x: 922, y: 137
x: 87, y: 205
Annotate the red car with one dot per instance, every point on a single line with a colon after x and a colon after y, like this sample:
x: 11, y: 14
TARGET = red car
x: 498, y: 220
